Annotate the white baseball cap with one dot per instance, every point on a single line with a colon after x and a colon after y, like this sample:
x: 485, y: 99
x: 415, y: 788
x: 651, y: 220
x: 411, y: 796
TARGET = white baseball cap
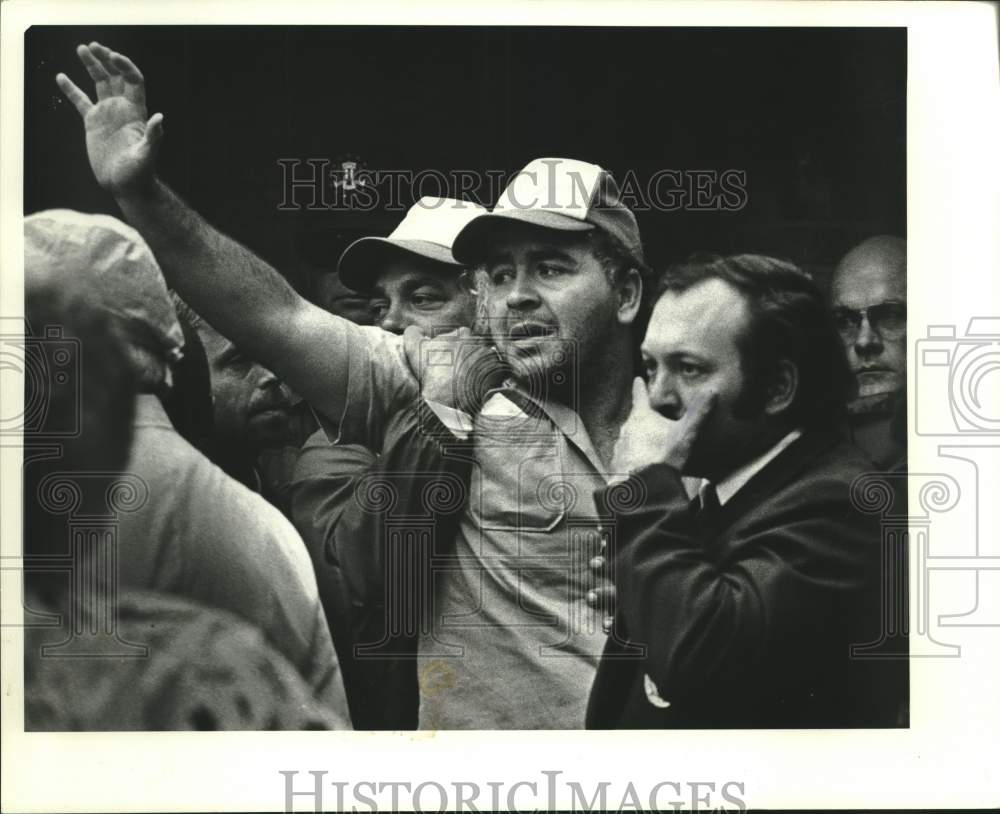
x: 428, y: 230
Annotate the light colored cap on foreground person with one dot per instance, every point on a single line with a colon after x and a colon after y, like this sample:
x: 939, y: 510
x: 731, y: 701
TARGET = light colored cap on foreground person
x: 119, y: 267
x: 428, y: 230
x: 554, y: 193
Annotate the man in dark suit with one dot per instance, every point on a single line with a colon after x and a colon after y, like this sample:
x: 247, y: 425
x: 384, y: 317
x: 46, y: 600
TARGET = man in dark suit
x: 737, y: 608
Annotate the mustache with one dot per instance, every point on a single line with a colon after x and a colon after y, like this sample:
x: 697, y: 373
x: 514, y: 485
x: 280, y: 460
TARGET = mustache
x: 270, y: 400
x: 530, y: 329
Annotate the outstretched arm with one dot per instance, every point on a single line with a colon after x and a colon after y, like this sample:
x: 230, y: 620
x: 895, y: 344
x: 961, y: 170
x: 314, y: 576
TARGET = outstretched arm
x: 234, y: 289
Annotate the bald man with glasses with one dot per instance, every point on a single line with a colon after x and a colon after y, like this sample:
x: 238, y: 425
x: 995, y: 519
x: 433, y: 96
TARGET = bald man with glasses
x: 868, y: 297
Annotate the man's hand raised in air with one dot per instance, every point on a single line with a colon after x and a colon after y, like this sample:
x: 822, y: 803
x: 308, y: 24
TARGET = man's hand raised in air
x: 236, y: 291
x: 121, y: 142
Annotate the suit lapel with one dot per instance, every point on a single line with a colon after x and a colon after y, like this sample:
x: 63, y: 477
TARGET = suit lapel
x: 777, y: 474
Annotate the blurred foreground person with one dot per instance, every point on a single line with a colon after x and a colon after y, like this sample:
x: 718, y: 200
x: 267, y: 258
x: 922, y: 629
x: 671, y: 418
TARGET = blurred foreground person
x: 192, y: 531
x: 119, y: 659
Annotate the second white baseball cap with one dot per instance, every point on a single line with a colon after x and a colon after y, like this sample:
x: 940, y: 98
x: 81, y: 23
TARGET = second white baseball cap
x: 428, y: 230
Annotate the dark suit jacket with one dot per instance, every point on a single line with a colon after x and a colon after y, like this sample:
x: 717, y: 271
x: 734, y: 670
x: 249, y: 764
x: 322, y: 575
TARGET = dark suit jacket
x: 743, y: 620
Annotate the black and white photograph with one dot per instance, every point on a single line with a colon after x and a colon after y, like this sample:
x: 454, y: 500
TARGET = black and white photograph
x: 488, y: 381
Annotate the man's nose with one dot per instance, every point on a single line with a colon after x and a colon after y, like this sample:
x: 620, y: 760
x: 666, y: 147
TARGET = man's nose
x: 393, y: 321
x: 523, y: 296
x: 267, y: 379
x: 663, y: 397
x: 869, y: 340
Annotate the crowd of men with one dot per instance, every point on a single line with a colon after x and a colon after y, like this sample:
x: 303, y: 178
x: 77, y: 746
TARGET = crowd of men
x: 496, y: 472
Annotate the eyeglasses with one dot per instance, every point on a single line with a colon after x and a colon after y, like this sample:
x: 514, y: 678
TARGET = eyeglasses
x: 887, y: 319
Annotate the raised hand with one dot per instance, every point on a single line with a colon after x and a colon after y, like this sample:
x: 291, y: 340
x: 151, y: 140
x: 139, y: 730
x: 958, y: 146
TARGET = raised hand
x: 121, y: 142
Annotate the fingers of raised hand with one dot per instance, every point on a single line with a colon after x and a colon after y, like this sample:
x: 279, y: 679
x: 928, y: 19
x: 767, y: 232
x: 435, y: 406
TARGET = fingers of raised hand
x: 96, y: 71
x: 116, y: 85
x: 77, y: 97
x: 134, y: 83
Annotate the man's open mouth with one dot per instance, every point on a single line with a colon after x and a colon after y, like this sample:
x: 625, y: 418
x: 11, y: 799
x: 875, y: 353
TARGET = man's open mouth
x: 531, y: 330
x: 271, y: 408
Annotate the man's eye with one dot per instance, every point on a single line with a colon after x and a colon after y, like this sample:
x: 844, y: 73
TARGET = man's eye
x: 843, y: 319
x: 378, y: 308
x: 688, y: 370
x: 501, y: 276
x: 548, y: 270
x: 426, y: 301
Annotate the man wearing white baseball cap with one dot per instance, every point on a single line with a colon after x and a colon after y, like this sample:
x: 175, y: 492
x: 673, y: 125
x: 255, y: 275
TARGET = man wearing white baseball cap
x: 516, y: 634
x: 411, y: 275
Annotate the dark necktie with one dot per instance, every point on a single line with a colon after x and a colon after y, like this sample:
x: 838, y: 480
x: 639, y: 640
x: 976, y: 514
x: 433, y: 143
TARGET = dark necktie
x: 709, y: 505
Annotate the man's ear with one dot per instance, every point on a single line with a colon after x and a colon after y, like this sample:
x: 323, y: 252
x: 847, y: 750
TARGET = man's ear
x: 782, y: 389
x: 629, y: 293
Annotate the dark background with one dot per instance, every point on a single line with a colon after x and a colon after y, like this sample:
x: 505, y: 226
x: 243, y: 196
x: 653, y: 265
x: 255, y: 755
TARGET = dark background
x: 816, y: 118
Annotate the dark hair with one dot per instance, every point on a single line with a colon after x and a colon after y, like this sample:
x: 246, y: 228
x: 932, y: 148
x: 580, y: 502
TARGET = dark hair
x: 616, y: 259
x: 189, y: 402
x: 789, y: 320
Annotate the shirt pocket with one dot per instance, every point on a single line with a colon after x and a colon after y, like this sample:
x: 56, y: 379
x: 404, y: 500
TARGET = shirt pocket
x: 520, y: 488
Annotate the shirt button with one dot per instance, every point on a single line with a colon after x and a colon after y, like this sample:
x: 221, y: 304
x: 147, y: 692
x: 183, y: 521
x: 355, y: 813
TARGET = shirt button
x: 597, y: 563
x: 592, y: 598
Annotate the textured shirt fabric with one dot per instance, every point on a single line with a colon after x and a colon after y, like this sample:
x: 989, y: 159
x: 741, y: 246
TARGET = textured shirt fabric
x: 512, y: 643
x: 198, y: 533
x: 190, y: 667
x: 515, y: 644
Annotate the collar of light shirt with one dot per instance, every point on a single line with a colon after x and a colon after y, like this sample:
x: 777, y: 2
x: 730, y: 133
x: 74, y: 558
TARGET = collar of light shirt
x: 736, y: 480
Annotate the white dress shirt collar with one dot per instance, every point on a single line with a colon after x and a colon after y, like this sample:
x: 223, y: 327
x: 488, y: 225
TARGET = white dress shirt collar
x: 736, y: 480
